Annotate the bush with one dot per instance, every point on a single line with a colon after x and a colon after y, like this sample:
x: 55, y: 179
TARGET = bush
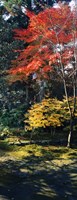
x: 5, y: 132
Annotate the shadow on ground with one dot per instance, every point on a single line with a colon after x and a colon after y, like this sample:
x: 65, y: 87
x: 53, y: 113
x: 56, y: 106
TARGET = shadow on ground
x: 35, y: 178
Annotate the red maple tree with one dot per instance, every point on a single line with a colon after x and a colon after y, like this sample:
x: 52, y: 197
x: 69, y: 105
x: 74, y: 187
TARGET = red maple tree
x: 47, y: 36
x: 51, y: 39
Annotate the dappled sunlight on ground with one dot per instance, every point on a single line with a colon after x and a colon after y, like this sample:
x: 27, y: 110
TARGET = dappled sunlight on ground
x: 35, y: 172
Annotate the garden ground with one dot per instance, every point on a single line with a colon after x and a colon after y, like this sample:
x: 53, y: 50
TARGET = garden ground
x: 38, y: 172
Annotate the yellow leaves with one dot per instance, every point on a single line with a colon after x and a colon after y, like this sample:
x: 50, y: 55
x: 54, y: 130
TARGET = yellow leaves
x: 50, y: 112
x: 44, y: 114
x: 54, y: 120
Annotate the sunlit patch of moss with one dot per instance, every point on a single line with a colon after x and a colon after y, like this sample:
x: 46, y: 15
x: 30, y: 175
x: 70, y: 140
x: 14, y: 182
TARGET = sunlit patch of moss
x: 28, y: 150
x: 25, y: 170
x: 46, y: 191
x: 51, y: 152
x: 34, y: 150
x: 68, y: 153
x: 19, y: 154
x: 11, y: 139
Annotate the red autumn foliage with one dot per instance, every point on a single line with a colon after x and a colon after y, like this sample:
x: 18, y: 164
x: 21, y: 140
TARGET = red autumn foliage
x: 46, y: 30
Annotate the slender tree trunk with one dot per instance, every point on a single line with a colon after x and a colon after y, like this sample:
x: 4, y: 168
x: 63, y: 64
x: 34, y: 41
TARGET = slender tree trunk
x: 70, y: 135
x: 31, y: 135
x: 27, y: 94
x: 41, y: 90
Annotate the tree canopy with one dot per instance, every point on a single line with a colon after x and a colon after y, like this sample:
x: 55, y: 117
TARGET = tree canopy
x: 50, y: 36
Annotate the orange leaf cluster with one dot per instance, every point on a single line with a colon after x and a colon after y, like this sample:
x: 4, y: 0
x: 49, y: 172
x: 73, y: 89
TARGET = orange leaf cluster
x: 45, y: 30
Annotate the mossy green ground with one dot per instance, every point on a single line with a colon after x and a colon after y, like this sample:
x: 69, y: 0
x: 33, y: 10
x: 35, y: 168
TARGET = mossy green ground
x: 37, y: 172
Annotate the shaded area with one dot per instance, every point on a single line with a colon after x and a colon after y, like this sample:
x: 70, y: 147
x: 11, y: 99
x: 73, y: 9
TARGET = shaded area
x: 38, y: 178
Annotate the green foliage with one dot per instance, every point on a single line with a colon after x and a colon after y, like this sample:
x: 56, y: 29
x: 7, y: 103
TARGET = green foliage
x: 9, y: 4
x: 12, y: 117
x: 5, y: 132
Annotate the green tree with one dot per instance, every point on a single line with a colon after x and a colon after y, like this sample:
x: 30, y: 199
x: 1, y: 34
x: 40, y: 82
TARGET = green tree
x: 11, y: 96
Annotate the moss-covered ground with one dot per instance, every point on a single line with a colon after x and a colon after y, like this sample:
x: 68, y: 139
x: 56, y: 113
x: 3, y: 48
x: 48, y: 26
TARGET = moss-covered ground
x: 37, y: 172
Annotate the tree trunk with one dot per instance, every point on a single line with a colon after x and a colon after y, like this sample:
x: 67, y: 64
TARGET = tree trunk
x: 70, y: 135
x: 27, y: 94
